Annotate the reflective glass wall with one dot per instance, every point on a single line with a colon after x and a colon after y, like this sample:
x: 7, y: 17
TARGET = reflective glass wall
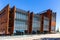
x: 46, y: 24
x: 36, y: 23
x: 53, y: 22
x: 20, y: 22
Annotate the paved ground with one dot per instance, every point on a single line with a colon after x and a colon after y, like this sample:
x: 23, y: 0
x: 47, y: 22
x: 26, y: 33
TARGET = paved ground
x: 30, y: 37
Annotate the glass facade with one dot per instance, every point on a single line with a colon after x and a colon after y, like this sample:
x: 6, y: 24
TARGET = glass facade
x: 53, y: 18
x: 53, y: 23
x: 53, y: 28
x: 46, y: 24
x: 20, y: 22
x: 36, y: 23
x: 21, y: 16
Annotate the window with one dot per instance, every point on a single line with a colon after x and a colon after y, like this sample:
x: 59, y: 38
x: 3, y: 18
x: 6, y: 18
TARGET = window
x: 20, y: 25
x: 21, y: 16
x: 36, y: 23
x: 46, y: 24
x: 46, y: 21
x: 53, y: 18
x: 46, y: 28
x: 53, y: 28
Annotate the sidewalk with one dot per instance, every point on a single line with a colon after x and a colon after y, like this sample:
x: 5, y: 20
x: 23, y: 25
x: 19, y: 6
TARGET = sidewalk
x: 29, y: 37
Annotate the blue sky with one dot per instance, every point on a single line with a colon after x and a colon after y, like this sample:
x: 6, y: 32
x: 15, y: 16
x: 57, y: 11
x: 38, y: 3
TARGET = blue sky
x: 35, y: 6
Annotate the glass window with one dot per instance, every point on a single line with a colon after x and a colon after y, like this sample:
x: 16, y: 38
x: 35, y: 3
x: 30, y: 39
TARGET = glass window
x: 46, y: 28
x: 21, y: 16
x: 46, y: 24
x: 52, y: 28
x: 36, y: 23
x: 20, y: 25
x: 53, y: 18
x: 46, y: 21
x: 20, y: 22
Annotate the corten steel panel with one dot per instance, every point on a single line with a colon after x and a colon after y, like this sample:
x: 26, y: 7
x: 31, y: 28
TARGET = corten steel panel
x: 4, y: 20
x: 0, y: 12
x: 11, y: 19
x: 42, y: 22
x: 30, y: 23
x: 53, y: 23
x: 49, y: 15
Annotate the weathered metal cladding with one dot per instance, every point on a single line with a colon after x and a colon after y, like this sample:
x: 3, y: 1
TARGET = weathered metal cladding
x: 42, y: 21
x: 30, y: 23
x: 7, y: 17
x: 11, y: 19
x: 4, y: 20
x: 48, y: 14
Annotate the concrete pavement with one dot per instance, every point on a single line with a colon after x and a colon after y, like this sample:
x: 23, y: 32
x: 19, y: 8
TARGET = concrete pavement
x: 30, y: 37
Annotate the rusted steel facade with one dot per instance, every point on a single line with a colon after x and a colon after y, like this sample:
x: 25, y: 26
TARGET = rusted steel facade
x: 4, y: 20
x: 30, y: 23
x: 47, y: 14
x: 7, y: 17
x: 11, y: 19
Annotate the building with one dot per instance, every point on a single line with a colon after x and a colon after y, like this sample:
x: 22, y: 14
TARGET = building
x: 17, y: 21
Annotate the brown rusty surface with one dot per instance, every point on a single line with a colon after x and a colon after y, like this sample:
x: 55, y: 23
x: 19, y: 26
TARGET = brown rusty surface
x: 28, y: 20
x: 7, y: 16
x: 47, y: 14
x: 11, y: 19
x: 42, y: 22
x: 30, y: 23
x: 4, y: 20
